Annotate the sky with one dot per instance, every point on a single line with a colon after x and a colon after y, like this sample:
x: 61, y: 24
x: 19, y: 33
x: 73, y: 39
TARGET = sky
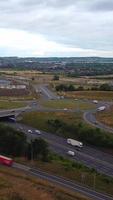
x: 45, y: 28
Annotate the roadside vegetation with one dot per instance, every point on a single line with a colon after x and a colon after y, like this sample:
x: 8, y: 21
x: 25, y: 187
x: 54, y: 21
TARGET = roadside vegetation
x: 72, y: 87
x: 14, y: 143
x: 99, y: 95
x: 71, y: 170
x: 15, y: 185
x: 68, y: 125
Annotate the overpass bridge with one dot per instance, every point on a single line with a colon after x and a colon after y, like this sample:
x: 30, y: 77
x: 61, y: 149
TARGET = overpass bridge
x: 12, y: 113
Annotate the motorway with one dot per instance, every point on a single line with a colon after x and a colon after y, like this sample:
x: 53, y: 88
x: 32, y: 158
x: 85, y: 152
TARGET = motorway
x: 66, y: 183
x: 45, y: 92
x: 89, y: 156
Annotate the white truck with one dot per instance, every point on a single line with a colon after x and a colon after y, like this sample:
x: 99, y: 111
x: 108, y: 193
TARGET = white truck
x: 101, y: 108
x: 75, y: 143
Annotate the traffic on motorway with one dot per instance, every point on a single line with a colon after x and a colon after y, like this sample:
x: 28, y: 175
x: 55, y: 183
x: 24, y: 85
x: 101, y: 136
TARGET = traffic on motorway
x: 70, y: 148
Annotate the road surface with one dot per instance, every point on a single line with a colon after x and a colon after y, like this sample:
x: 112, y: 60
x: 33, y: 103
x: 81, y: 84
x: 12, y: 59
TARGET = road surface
x: 89, y: 156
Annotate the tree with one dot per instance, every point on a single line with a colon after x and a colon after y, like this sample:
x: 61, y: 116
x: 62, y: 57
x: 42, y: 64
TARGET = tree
x: 38, y: 149
x: 56, y: 78
x: 12, y: 142
x: 106, y: 87
x: 71, y: 87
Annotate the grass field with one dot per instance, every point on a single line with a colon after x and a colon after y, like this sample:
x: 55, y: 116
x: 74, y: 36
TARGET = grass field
x: 106, y: 117
x: 15, y: 185
x: 99, y: 95
x: 11, y: 104
x: 39, y: 119
x: 70, y: 104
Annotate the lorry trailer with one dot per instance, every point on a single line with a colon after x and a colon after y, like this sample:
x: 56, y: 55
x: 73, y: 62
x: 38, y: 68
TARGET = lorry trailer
x: 101, y: 108
x: 6, y: 161
x: 75, y: 143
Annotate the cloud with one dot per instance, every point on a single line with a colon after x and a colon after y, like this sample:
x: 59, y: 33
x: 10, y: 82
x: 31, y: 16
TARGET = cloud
x: 27, y: 44
x: 74, y: 23
x: 102, y: 5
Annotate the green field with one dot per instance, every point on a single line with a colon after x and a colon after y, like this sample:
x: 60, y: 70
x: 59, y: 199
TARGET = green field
x: 39, y: 119
x: 69, y: 104
x: 11, y: 104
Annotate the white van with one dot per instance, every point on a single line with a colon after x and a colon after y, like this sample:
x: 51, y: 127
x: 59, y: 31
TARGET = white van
x: 71, y: 153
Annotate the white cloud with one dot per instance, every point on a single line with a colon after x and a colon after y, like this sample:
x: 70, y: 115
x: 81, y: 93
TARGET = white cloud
x: 63, y: 27
x: 37, y: 45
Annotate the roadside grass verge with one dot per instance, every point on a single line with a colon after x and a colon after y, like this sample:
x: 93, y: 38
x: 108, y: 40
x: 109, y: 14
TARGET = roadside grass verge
x: 106, y: 117
x: 99, y: 95
x: 76, y: 172
x: 11, y: 104
x: 21, y: 186
x: 69, y: 104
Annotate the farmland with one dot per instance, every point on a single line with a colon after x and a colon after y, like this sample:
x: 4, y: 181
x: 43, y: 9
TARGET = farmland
x: 99, y: 95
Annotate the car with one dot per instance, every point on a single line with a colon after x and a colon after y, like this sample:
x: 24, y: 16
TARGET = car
x: 71, y: 153
x: 65, y: 109
x: 30, y: 131
x: 38, y: 132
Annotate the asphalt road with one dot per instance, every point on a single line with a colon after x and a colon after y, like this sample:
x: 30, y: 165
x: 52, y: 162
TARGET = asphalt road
x: 90, y: 118
x: 60, y: 181
x: 89, y: 156
x: 45, y: 92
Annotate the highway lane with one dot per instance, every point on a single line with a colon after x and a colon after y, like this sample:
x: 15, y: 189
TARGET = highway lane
x: 66, y: 183
x: 45, y: 92
x: 89, y: 156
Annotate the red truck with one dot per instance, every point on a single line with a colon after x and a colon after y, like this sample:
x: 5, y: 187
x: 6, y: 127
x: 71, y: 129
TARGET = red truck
x: 6, y: 161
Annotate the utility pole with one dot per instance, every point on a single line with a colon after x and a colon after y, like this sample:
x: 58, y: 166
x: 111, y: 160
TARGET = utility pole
x: 94, y: 181
x: 31, y: 149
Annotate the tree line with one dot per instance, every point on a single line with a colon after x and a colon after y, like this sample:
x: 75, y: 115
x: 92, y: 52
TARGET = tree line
x: 92, y: 136
x: 71, y: 87
x: 14, y: 143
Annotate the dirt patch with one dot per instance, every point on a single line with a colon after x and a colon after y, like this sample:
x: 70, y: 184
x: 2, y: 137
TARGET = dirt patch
x: 14, y: 92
